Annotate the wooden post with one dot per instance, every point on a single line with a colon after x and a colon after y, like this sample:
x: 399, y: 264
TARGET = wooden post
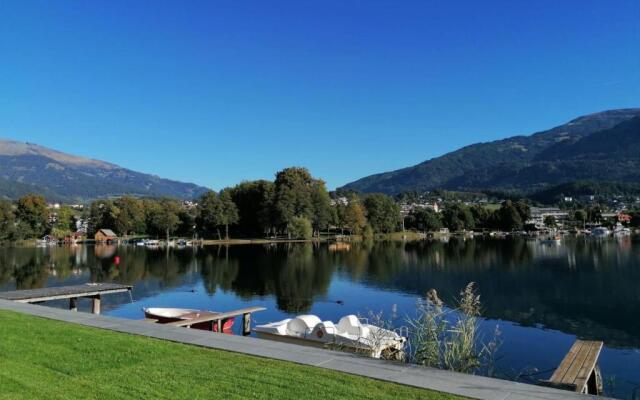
x: 219, y: 325
x: 95, y: 304
x: 246, y: 324
x: 73, y: 304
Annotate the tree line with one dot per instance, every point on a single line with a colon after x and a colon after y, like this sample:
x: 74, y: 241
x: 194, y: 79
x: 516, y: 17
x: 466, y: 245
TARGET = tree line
x: 294, y: 205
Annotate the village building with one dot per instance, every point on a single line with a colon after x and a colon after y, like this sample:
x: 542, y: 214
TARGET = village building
x: 105, y: 236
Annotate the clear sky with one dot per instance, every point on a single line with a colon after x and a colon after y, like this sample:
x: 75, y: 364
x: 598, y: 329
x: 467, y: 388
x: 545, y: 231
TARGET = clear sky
x: 215, y: 92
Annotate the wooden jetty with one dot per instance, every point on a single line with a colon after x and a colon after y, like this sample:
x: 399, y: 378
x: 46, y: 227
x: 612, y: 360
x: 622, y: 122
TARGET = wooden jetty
x: 579, y: 369
x: 93, y: 291
x: 217, y: 318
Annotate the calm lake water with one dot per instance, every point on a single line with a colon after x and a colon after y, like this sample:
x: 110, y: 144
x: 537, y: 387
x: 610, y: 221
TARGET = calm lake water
x: 542, y: 297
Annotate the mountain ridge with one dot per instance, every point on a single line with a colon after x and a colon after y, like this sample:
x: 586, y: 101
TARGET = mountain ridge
x: 491, y: 165
x: 66, y: 177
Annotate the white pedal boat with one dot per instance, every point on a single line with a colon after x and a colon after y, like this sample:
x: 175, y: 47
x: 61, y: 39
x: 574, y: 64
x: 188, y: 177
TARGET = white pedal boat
x: 349, y: 334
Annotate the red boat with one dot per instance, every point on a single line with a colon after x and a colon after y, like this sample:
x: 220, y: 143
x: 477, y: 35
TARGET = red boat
x: 166, y: 315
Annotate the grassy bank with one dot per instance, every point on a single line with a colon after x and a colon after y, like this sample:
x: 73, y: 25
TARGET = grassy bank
x: 44, y: 359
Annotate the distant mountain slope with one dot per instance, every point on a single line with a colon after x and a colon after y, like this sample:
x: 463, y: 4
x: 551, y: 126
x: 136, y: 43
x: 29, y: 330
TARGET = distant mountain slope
x: 585, y: 148
x: 60, y: 176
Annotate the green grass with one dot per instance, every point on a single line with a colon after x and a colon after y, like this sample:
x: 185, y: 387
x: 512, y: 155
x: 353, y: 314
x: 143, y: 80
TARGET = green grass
x: 46, y: 359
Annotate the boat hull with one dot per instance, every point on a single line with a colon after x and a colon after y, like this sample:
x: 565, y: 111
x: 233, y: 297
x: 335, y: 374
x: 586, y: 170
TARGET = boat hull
x: 164, y: 316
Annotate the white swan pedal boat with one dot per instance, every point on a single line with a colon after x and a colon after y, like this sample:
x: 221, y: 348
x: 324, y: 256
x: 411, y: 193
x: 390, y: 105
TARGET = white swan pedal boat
x: 348, y: 334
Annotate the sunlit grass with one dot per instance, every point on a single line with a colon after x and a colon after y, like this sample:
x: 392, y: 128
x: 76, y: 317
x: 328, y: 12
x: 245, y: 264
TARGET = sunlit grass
x: 46, y: 359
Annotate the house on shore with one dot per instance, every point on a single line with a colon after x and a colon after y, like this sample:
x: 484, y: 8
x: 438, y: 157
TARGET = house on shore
x: 105, y: 236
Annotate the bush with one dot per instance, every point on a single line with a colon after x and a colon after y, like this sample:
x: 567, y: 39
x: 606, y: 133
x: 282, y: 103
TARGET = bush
x: 300, y: 228
x: 367, y: 233
x: 448, y: 338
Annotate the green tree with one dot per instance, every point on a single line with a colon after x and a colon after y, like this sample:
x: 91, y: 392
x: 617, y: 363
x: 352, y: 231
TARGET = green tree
x: 229, y: 211
x: 7, y: 221
x: 322, y: 210
x: 293, y: 188
x: 580, y: 216
x: 64, y: 223
x: 383, y: 213
x: 103, y: 214
x: 130, y: 216
x: 162, y: 216
x: 508, y: 217
x: 300, y: 228
x: 254, y: 200
x: 298, y: 194
x: 549, y: 221
x: 424, y: 219
x: 210, y: 213
x: 32, y: 214
x: 457, y: 217
x: 354, y: 216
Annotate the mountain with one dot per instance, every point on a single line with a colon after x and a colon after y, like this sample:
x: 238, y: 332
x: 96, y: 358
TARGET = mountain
x: 598, y: 147
x: 30, y: 168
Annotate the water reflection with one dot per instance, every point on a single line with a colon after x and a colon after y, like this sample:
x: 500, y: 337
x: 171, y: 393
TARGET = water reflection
x: 583, y: 287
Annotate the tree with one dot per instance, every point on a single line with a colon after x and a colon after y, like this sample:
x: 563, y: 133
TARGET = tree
x: 458, y: 217
x: 298, y: 194
x: 508, y: 217
x: 229, y: 211
x: 32, y: 214
x: 7, y: 220
x: 254, y: 200
x: 354, y: 217
x: 581, y: 216
x: 300, y: 228
x: 102, y: 215
x: 162, y: 216
x: 383, y: 213
x: 64, y: 223
x: 322, y: 211
x: 424, y: 219
x: 210, y: 213
x: 293, y: 195
x: 130, y: 216
x: 549, y: 221
x: 481, y: 216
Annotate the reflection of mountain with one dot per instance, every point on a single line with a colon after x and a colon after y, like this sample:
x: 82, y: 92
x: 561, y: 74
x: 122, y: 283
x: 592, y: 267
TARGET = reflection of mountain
x: 584, y: 287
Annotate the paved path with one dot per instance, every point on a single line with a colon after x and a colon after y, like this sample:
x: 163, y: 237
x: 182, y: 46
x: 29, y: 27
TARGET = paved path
x: 427, y: 378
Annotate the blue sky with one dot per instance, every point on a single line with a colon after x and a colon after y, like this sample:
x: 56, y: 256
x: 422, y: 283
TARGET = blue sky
x: 217, y: 92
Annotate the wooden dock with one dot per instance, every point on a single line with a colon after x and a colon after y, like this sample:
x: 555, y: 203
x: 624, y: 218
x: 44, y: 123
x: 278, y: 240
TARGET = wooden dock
x: 217, y: 318
x: 93, y: 291
x: 579, y: 370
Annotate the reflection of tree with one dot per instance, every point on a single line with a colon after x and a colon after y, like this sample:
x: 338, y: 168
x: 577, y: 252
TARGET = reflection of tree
x: 584, y: 287
x: 294, y: 273
x: 218, y: 269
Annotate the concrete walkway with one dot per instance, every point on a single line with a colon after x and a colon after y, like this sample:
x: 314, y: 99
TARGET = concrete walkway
x: 427, y: 378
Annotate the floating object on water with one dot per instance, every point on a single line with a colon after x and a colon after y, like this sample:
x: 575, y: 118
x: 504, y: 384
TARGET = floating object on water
x: 166, y: 315
x: 432, y: 296
x: 349, y: 334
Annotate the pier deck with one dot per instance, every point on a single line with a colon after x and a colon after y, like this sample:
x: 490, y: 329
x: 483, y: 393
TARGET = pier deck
x: 92, y: 291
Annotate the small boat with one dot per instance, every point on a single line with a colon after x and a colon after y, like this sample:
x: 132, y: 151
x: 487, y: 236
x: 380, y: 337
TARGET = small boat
x: 349, y: 334
x: 166, y: 315
x: 152, y: 243
x: 552, y: 240
x: 620, y: 230
x: 600, y: 232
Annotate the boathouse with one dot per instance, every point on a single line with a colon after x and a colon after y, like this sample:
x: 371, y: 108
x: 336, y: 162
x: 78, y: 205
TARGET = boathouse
x: 105, y: 236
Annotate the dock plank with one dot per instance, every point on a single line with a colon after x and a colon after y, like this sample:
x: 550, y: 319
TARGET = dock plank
x: 578, y: 367
x: 217, y: 316
x: 63, y: 292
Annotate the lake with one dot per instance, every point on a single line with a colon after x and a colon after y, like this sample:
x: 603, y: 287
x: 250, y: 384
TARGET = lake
x: 541, y: 296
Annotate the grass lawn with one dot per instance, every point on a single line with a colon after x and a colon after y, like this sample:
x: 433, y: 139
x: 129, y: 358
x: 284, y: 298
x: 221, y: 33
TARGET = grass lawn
x: 45, y: 359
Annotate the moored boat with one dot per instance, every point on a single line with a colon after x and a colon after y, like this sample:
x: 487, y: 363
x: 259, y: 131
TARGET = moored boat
x: 600, y: 232
x: 348, y: 334
x: 166, y: 315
